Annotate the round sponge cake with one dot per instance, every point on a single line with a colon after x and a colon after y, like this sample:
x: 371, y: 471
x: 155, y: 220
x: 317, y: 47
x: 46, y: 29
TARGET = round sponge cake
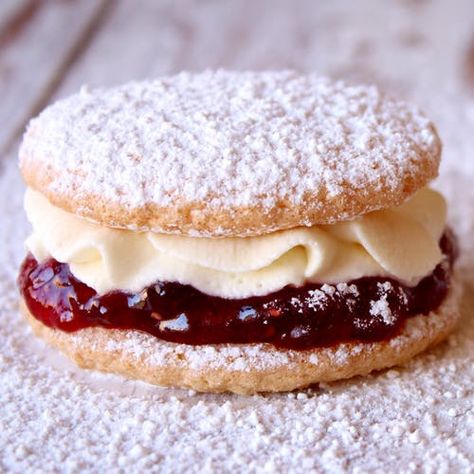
x: 224, y: 154
x: 245, y: 368
x: 228, y: 154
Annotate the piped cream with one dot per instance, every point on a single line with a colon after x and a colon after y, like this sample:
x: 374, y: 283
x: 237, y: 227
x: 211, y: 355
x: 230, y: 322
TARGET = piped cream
x: 402, y: 243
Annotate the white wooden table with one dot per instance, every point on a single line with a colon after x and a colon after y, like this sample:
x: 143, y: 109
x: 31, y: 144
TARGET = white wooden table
x: 419, y: 49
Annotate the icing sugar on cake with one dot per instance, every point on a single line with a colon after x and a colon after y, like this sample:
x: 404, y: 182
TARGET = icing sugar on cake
x: 247, y: 357
x: 230, y: 140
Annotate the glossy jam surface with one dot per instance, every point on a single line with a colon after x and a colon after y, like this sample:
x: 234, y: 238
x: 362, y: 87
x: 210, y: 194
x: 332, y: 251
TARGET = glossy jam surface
x: 367, y: 309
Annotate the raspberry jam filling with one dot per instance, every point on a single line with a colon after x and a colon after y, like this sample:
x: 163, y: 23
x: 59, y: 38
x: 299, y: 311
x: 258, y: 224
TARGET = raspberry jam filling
x: 315, y: 315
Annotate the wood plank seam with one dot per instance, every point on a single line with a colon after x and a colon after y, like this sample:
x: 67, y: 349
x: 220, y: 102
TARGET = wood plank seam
x: 18, y: 21
x: 84, y: 40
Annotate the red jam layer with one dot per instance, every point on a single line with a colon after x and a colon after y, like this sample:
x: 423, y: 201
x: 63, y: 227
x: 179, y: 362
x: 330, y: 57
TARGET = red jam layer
x: 315, y: 315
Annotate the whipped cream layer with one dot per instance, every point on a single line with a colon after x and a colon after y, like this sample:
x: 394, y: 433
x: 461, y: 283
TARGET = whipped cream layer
x: 402, y: 243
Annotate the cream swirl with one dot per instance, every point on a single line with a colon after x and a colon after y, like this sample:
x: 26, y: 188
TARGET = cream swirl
x: 402, y: 243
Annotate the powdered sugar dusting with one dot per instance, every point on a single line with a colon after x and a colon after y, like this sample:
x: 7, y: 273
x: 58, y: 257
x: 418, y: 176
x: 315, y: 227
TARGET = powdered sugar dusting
x: 319, y: 299
x: 380, y: 308
x: 228, y: 139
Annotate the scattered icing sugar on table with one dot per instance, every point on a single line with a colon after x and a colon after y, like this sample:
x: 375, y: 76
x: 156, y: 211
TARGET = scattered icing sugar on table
x: 55, y: 417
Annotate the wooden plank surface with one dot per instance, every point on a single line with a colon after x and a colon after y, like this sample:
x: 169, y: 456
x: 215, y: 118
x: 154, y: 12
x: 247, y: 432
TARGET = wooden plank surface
x: 143, y: 39
x: 11, y: 11
x: 59, y: 45
x: 40, y: 40
x: 419, y: 48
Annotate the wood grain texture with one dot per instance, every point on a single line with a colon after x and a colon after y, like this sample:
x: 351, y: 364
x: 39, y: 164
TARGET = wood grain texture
x: 38, y: 44
x: 469, y: 66
x: 144, y: 39
x: 416, y: 419
x: 14, y: 16
x: 166, y: 37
